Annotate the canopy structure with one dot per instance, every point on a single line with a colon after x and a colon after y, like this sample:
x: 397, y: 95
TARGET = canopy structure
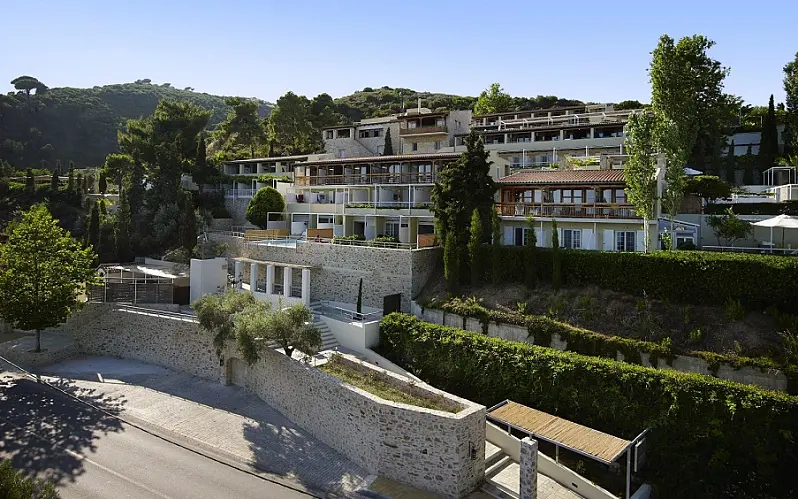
x: 575, y: 437
x: 782, y: 221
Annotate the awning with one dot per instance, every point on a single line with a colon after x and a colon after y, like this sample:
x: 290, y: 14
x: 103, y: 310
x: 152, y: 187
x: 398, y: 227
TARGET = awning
x: 567, y: 434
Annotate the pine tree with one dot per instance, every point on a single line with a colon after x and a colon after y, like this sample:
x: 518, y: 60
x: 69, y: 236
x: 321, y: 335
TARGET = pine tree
x: 474, y: 249
x: 451, y: 262
x: 768, y: 143
x: 387, y: 150
x: 556, y: 254
x: 496, y: 253
x: 122, y: 229
x: 30, y: 182
x: 530, y: 260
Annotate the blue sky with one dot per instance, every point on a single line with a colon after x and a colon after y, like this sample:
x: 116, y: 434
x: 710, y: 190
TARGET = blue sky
x: 588, y: 50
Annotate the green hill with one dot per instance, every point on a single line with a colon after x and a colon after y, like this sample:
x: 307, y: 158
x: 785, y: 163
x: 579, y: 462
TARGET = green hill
x: 80, y: 124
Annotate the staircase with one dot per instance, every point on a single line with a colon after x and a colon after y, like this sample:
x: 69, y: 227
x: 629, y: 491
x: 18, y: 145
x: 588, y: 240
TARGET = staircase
x: 495, y: 462
x: 328, y: 341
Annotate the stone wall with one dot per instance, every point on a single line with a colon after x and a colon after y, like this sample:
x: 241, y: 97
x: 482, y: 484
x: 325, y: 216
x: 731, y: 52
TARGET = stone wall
x: 432, y: 450
x: 337, y: 270
x: 769, y: 379
x: 237, y: 208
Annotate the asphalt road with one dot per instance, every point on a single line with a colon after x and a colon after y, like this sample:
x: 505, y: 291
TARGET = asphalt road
x: 88, y: 454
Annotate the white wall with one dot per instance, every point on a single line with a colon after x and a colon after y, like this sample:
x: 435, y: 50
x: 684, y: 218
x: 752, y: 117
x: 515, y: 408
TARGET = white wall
x: 207, y: 277
x: 357, y: 336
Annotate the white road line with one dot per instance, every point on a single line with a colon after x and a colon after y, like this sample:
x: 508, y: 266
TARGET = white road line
x: 82, y: 457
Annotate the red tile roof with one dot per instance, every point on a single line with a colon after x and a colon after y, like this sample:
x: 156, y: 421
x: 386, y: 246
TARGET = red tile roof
x: 529, y: 177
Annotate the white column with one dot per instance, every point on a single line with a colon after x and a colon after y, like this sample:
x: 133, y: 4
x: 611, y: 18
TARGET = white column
x: 306, y: 287
x: 239, y: 274
x: 287, y: 281
x: 253, y: 277
x: 270, y: 279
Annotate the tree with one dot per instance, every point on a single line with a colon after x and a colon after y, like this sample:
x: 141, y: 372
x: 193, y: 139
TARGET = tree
x: 556, y: 257
x: 530, y: 256
x: 16, y: 484
x: 30, y: 182
x: 708, y: 188
x: 640, y: 173
x: 451, y: 263
x: 216, y: 314
x: 493, y: 100
x: 243, y: 128
x: 102, y: 183
x: 257, y: 326
x: 188, y: 223
x: 118, y: 165
x: 687, y: 95
x: 42, y: 271
x: 496, y: 254
x: 290, y: 125
x: 79, y: 183
x: 769, y: 141
x: 266, y: 200
x: 93, y: 238
x: 387, y: 150
x: 729, y: 227
x: 790, y: 132
x: 54, y: 181
x: 71, y: 179
x: 474, y: 249
x: 27, y: 84
x: 200, y: 174
x: 731, y: 164
x: 359, y: 305
x: 122, y: 229
x: 628, y: 104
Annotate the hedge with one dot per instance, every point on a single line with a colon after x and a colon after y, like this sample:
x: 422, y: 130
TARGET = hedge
x: 587, y: 342
x: 695, y: 277
x: 709, y: 437
x: 785, y: 208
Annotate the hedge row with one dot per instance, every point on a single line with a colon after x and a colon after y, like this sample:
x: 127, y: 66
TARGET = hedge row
x: 709, y: 438
x: 786, y: 208
x: 695, y: 277
x: 587, y: 342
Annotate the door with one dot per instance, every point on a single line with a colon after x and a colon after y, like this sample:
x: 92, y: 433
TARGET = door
x: 392, y: 303
x: 238, y: 372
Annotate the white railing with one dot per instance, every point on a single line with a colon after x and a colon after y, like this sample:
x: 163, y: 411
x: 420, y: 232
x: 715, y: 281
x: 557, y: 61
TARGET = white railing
x: 764, y: 250
x: 239, y: 193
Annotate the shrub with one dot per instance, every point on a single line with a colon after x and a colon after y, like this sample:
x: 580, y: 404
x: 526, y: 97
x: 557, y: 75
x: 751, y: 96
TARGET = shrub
x: 696, y: 277
x: 708, y: 438
x: 266, y: 200
x: 14, y: 484
x: 696, y: 336
x: 343, y: 239
x: 734, y: 310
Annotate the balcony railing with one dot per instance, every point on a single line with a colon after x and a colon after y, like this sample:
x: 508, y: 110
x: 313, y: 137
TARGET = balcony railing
x: 239, y: 193
x: 369, y: 179
x: 561, y: 210
x: 422, y: 130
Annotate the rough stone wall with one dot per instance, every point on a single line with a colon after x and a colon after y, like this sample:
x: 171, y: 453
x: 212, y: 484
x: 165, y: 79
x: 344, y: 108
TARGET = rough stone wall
x: 769, y: 379
x: 351, y: 147
x: 424, y: 448
x: 237, y: 209
x: 423, y: 264
x: 529, y: 469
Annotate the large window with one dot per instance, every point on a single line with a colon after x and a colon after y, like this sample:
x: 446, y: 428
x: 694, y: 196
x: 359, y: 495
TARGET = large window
x: 624, y: 241
x: 521, y: 236
x: 392, y: 229
x: 370, y: 134
x: 572, y: 238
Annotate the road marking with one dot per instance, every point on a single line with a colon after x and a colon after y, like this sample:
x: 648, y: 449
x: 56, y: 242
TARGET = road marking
x: 82, y: 457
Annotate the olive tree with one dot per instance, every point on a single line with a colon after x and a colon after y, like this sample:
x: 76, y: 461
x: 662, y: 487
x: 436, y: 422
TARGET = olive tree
x: 258, y: 327
x: 217, y: 313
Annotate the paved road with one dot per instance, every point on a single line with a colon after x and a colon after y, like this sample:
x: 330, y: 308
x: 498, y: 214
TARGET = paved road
x: 88, y: 454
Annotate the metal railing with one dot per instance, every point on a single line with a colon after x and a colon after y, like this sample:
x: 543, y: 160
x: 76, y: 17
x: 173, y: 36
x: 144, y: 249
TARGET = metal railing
x: 326, y: 309
x: 422, y: 130
x: 239, y: 193
x: 296, y: 291
x: 368, y: 179
x: 561, y: 210
x: 763, y: 250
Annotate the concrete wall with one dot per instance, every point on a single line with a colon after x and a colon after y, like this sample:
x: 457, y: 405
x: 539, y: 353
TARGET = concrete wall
x: 424, y: 448
x: 787, y: 237
x: 207, y: 277
x: 769, y: 379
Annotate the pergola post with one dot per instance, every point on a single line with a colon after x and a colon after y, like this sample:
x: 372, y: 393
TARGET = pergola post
x: 253, y: 277
x: 287, y: 280
x: 306, y: 287
x: 270, y: 279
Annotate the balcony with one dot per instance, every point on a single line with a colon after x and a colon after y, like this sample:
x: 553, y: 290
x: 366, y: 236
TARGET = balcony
x: 562, y: 210
x: 368, y: 179
x: 423, y: 130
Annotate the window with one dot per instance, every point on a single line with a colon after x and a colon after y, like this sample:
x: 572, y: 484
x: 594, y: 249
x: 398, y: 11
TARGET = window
x: 572, y: 238
x: 328, y: 134
x: 620, y: 196
x: 392, y: 229
x: 437, y: 145
x: 370, y: 134
x: 521, y: 236
x: 325, y: 220
x: 624, y: 241
x: 415, y: 146
x: 341, y: 153
x: 343, y: 134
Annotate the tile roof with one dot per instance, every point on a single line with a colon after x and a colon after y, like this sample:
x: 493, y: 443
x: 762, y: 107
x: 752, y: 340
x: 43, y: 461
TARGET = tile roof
x: 564, y: 177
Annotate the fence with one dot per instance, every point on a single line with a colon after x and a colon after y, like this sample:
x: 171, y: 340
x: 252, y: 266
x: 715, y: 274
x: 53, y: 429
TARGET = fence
x: 132, y: 290
x: 763, y: 250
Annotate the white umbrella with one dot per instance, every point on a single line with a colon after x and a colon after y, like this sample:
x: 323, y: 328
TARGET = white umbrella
x: 690, y: 171
x: 783, y: 221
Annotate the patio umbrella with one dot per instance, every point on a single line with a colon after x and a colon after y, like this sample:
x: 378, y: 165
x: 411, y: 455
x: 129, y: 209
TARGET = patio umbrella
x: 783, y: 221
x: 691, y: 172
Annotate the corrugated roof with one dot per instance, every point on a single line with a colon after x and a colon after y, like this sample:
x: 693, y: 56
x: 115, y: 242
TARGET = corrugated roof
x: 564, y: 177
x: 382, y: 159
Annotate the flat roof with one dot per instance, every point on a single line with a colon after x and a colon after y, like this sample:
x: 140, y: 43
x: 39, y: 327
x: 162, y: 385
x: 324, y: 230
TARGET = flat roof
x: 267, y: 262
x: 273, y: 158
x: 542, y: 177
x: 593, y: 443
x: 166, y: 272
x: 382, y: 159
x: 537, y: 110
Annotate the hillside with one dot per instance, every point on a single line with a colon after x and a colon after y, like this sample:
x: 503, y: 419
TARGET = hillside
x: 80, y: 124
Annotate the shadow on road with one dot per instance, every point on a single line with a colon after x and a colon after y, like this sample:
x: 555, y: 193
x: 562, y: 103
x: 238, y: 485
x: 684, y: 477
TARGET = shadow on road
x: 38, y: 424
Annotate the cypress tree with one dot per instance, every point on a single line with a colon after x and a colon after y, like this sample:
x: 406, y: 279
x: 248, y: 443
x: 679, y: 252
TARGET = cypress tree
x: 768, y: 143
x: 103, y: 209
x: 556, y: 270
x: 94, y: 228
x: 103, y: 182
x: 387, y: 150
x: 54, y: 181
x: 122, y: 229
x: 748, y: 171
x: 451, y: 262
x: 731, y: 164
x: 360, y: 296
x: 474, y: 249
x: 79, y: 187
x: 530, y: 263
x: 496, y: 247
x: 30, y: 182
x: 71, y: 179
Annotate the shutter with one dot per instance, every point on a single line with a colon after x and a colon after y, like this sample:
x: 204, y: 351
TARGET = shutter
x: 639, y: 241
x: 508, y: 236
x: 587, y: 239
x: 559, y: 236
x: 609, y: 240
x: 540, y: 234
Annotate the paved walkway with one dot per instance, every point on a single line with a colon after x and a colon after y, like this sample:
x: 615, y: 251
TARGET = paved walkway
x: 239, y: 424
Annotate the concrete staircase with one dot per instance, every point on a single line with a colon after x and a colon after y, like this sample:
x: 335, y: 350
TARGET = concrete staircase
x: 328, y: 341
x: 496, y: 461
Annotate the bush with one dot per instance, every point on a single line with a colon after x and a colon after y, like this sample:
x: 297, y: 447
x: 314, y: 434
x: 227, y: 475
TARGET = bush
x: 708, y: 438
x: 785, y: 208
x: 14, y: 484
x: 266, y: 200
x: 343, y: 239
x: 695, y: 277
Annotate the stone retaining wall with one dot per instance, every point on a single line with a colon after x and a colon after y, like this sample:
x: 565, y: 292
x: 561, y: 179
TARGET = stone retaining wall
x: 432, y: 450
x: 765, y: 378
